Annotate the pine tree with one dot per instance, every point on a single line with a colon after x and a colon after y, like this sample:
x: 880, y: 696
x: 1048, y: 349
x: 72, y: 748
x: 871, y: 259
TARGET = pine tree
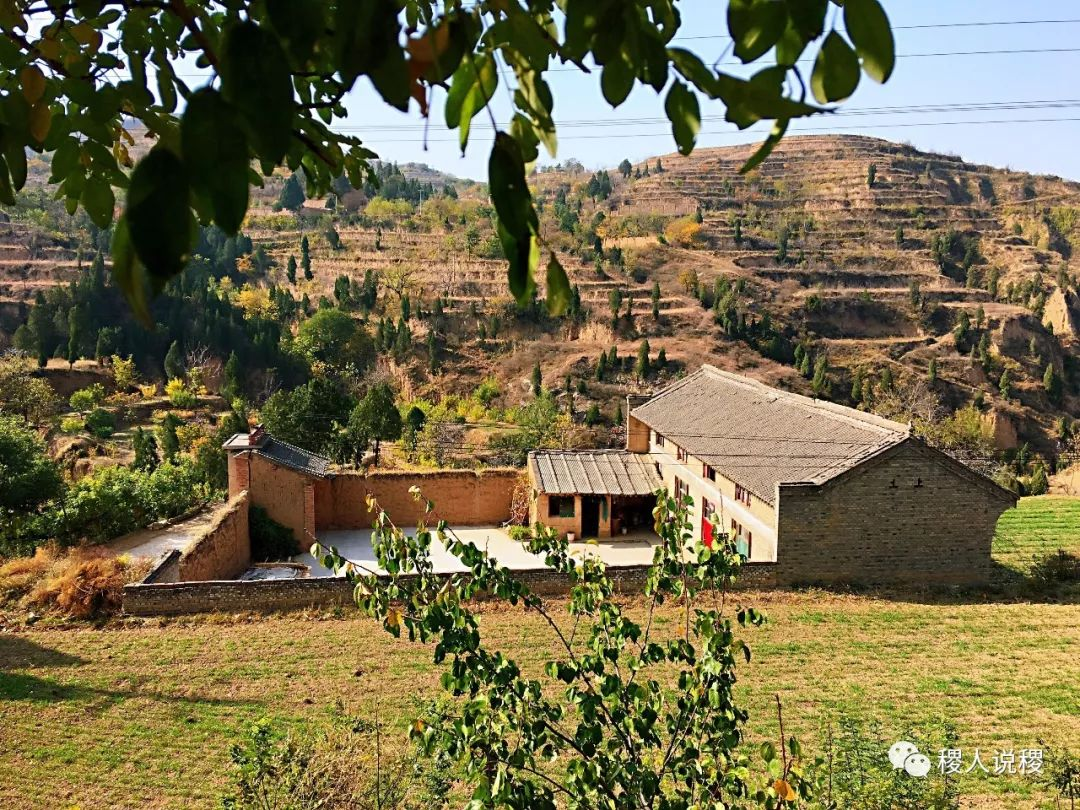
x: 1005, y: 384
x: 931, y: 372
x: 76, y: 333
x: 857, y: 386
x: 146, y: 454
x: 625, y: 168
x: 231, y: 388
x: 601, y: 367
x: 804, y: 365
x: 174, y: 362
x: 292, y: 194
x: 699, y: 218
x: 899, y: 235
x: 170, y: 444
x: 1039, y: 483
x: 641, y: 368
x: 305, y: 257
x: 537, y: 380
x: 820, y: 383
x: 871, y: 175
x: 659, y: 166
x: 290, y: 270
x: 613, y: 359
x: 738, y: 231
x: 1052, y: 384
x: 433, y: 351
x: 618, y: 418
x: 406, y: 306
x: 656, y: 300
x: 887, y: 378
x: 661, y: 358
x: 592, y: 415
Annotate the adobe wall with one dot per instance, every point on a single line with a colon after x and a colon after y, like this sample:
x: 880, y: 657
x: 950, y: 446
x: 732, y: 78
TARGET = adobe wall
x: 541, y: 506
x: 223, y: 550
x: 461, y: 497
x: 265, y: 596
x: 908, y: 519
x: 279, y: 490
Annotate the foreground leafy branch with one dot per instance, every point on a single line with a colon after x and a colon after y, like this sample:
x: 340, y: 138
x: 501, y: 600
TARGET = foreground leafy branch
x: 623, y: 716
x: 272, y: 77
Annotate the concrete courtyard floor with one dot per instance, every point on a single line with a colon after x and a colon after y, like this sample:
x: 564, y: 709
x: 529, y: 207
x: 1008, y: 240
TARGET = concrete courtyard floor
x: 355, y: 546
x: 154, y: 543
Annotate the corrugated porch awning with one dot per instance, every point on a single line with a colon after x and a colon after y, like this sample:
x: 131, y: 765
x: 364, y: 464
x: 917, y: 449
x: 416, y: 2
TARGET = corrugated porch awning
x: 593, y: 472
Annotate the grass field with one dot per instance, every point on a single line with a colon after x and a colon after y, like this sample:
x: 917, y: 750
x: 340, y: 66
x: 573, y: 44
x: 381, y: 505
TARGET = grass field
x: 1036, y: 526
x: 142, y: 714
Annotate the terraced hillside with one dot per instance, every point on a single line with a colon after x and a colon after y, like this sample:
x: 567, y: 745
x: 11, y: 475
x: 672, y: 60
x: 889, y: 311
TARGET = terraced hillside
x: 948, y: 281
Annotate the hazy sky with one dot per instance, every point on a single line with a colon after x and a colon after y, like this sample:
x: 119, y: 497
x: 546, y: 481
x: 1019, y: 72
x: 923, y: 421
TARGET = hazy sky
x: 1041, y: 75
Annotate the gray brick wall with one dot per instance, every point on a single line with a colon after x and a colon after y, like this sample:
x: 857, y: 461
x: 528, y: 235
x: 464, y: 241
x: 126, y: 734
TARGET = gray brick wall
x: 910, y: 519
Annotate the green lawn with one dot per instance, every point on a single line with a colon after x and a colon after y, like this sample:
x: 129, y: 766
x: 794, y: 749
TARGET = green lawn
x: 142, y: 713
x: 1037, y: 526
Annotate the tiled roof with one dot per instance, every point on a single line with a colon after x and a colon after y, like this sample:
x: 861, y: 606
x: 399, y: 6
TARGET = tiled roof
x: 289, y: 455
x: 759, y: 436
x: 593, y: 472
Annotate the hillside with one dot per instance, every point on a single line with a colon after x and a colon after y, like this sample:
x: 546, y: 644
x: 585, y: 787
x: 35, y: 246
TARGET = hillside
x: 802, y: 263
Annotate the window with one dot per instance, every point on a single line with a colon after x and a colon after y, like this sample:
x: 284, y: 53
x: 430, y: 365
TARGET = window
x: 561, y: 506
x: 742, y: 495
x: 682, y: 490
x: 708, y: 472
x: 659, y: 440
x: 680, y: 454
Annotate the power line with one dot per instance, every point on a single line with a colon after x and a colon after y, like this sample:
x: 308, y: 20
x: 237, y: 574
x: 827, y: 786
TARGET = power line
x: 923, y: 26
x: 792, y: 131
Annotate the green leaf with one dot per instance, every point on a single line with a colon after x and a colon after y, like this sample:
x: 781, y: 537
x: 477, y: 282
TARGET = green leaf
x: 523, y: 257
x: 391, y: 79
x: 130, y: 275
x: 508, y: 187
x: 681, y: 106
x: 98, y: 200
x: 836, y: 70
x: 15, y: 154
x: 158, y: 218
x: 558, y: 288
x: 366, y: 32
x: 255, y: 78
x: 473, y: 86
x: 763, y: 151
x: 617, y: 81
x: 694, y: 71
x: 755, y: 25
x: 7, y: 193
x: 868, y: 26
x: 216, y: 155
x: 299, y: 23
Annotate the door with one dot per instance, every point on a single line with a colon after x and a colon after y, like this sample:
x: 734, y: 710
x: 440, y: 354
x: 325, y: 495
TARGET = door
x: 590, y: 516
x: 706, y: 523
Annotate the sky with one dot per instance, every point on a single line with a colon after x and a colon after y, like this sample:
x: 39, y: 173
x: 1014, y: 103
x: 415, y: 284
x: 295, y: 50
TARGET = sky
x: 1043, y: 73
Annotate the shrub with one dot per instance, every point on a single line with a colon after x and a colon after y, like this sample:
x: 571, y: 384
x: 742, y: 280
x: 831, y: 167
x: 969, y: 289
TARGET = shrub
x: 270, y: 541
x: 179, y: 395
x: 1055, y: 568
x: 87, y: 398
x: 72, y: 424
x: 349, y: 766
x: 519, y: 533
x: 100, y: 423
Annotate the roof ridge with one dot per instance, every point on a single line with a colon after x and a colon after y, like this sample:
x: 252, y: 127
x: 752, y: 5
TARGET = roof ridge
x: 298, y: 449
x: 832, y: 408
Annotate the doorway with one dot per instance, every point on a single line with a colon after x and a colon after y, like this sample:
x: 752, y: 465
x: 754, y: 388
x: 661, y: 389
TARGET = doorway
x: 590, y: 516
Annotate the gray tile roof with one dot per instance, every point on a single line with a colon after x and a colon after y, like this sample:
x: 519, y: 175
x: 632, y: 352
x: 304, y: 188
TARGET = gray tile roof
x: 593, y: 472
x: 759, y: 436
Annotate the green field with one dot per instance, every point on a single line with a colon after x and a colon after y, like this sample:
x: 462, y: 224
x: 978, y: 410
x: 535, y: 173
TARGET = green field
x: 1035, y: 527
x: 142, y: 713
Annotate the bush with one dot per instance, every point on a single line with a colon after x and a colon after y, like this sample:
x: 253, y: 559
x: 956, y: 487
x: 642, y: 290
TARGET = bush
x: 350, y: 766
x: 100, y: 423
x: 180, y: 396
x: 270, y: 541
x: 72, y: 424
x: 1055, y: 568
x: 87, y: 398
x: 520, y: 533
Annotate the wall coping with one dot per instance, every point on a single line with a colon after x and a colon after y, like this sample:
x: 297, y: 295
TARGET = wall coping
x: 223, y: 512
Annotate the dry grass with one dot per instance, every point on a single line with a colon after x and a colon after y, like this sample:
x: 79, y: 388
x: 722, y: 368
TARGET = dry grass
x: 80, y: 583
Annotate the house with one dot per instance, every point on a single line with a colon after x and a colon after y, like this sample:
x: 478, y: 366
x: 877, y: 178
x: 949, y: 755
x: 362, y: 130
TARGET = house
x: 823, y: 492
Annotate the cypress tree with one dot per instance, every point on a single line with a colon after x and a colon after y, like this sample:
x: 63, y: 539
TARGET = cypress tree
x: 601, y: 367
x: 174, y: 362
x: 537, y: 380
x: 290, y: 270
x: 931, y: 373
x: 641, y: 368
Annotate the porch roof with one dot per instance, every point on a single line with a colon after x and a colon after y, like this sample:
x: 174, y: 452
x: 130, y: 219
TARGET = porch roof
x: 593, y: 472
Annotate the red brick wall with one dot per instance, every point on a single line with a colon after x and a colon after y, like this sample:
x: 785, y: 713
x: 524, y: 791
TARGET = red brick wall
x: 223, y: 550
x: 461, y: 497
x: 280, y: 491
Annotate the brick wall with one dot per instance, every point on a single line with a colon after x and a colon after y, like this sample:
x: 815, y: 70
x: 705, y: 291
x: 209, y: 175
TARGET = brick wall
x: 279, y: 490
x: 461, y: 497
x: 261, y: 596
x: 910, y: 518
x: 541, y: 508
x: 223, y: 550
